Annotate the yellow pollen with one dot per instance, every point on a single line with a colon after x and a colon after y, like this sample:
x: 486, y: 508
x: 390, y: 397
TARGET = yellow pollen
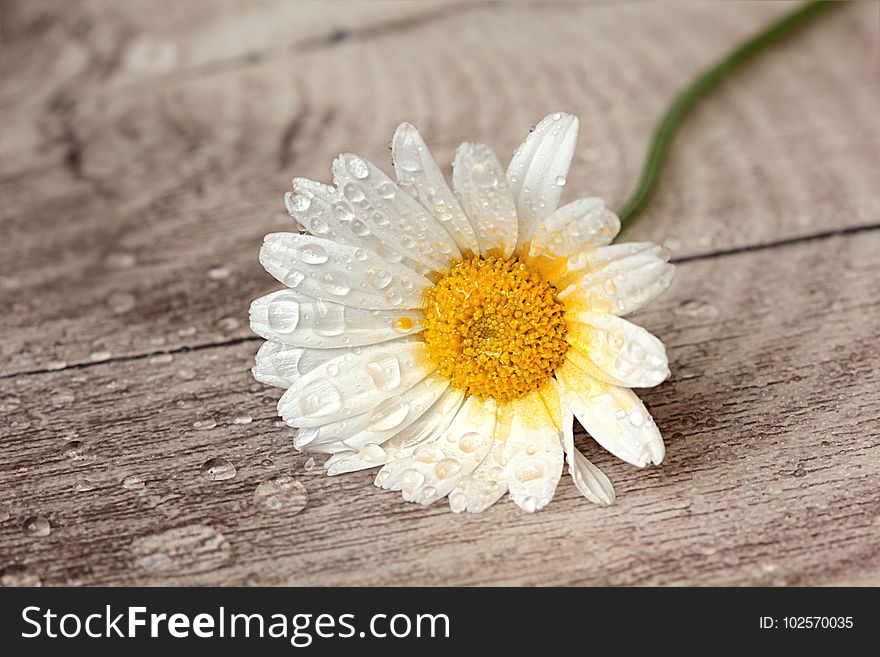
x: 494, y: 327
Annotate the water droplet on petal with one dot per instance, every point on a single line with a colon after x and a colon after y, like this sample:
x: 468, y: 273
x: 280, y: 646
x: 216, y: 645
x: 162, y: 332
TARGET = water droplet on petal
x: 378, y: 278
x: 283, y: 315
x: 336, y: 283
x: 388, y: 414
x: 384, y: 371
x: 313, y: 254
x: 297, y: 202
x: 329, y: 318
x: 560, y: 180
x: 386, y: 190
x: 483, y: 175
x: 320, y: 398
x: 447, y: 468
x: 470, y: 442
x: 357, y: 167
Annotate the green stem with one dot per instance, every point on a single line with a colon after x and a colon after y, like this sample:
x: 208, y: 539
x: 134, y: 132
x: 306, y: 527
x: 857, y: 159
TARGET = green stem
x: 708, y: 80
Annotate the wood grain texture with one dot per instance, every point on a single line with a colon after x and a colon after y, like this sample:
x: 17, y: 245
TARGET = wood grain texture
x: 770, y: 476
x: 144, y: 154
x: 142, y: 187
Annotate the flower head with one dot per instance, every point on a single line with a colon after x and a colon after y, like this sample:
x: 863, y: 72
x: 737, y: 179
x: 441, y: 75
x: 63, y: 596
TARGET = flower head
x: 450, y: 336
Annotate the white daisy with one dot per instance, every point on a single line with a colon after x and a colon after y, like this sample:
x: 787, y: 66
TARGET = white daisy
x: 450, y: 336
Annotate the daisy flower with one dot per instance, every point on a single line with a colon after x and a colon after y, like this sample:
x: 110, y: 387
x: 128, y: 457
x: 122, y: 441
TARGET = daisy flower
x: 450, y: 337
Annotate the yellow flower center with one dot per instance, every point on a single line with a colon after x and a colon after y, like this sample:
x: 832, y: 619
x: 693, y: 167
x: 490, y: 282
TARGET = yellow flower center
x: 494, y: 327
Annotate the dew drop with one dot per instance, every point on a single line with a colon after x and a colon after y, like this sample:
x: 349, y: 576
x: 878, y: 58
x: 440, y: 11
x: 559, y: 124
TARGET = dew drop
x: 309, y: 465
x: 282, y: 493
x: 388, y: 414
x: 36, y: 526
x: 360, y: 254
x: 410, y: 480
x: 133, y: 482
x: 313, y: 254
x: 697, y: 309
x: 204, y: 425
x: 357, y: 167
x: 329, y: 318
x: 560, y: 181
x: 470, y: 442
x: 297, y: 202
x: 394, y: 297
x: 293, y: 278
x: 83, y: 485
x: 121, y: 302
x: 378, y: 278
x: 637, y: 419
x: 318, y: 227
x: 283, y: 315
x: 18, y: 575
x: 483, y: 175
x: 447, y: 468
x: 386, y: 190
x: 320, y: 398
x: 384, y: 371
x: 218, y: 469
x: 218, y: 273
x: 336, y: 283
x: 407, y: 158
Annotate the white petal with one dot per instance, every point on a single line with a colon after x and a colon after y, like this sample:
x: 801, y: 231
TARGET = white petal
x: 616, y: 351
x: 385, y: 420
x: 425, y: 427
x: 481, y: 187
x: 537, y: 171
x: 533, y: 451
x: 344, y: 274
x: 613, y: 416
x: 485, y: 486
x: 579, y: 226
x: 353, y: 383
x: 418, y: 173
x: 280, y: 365
x: 588, y: 479
x: 392, y: 214
x: 298, y: 203
x: 617, y: 279
x: 436, y: 466
x: 289, y: 317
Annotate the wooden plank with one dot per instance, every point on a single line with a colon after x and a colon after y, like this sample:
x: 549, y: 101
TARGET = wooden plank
x: 770, y: 477
x: 133, y: 210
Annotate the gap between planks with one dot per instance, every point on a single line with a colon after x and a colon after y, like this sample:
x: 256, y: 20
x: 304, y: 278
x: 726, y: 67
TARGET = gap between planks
x: 778, y: 244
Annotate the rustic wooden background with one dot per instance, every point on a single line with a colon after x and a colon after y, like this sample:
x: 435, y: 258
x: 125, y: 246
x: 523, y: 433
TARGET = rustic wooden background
x: 144, y: 151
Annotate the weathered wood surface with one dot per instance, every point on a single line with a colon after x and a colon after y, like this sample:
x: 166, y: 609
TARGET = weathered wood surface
x: 144, y: 153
